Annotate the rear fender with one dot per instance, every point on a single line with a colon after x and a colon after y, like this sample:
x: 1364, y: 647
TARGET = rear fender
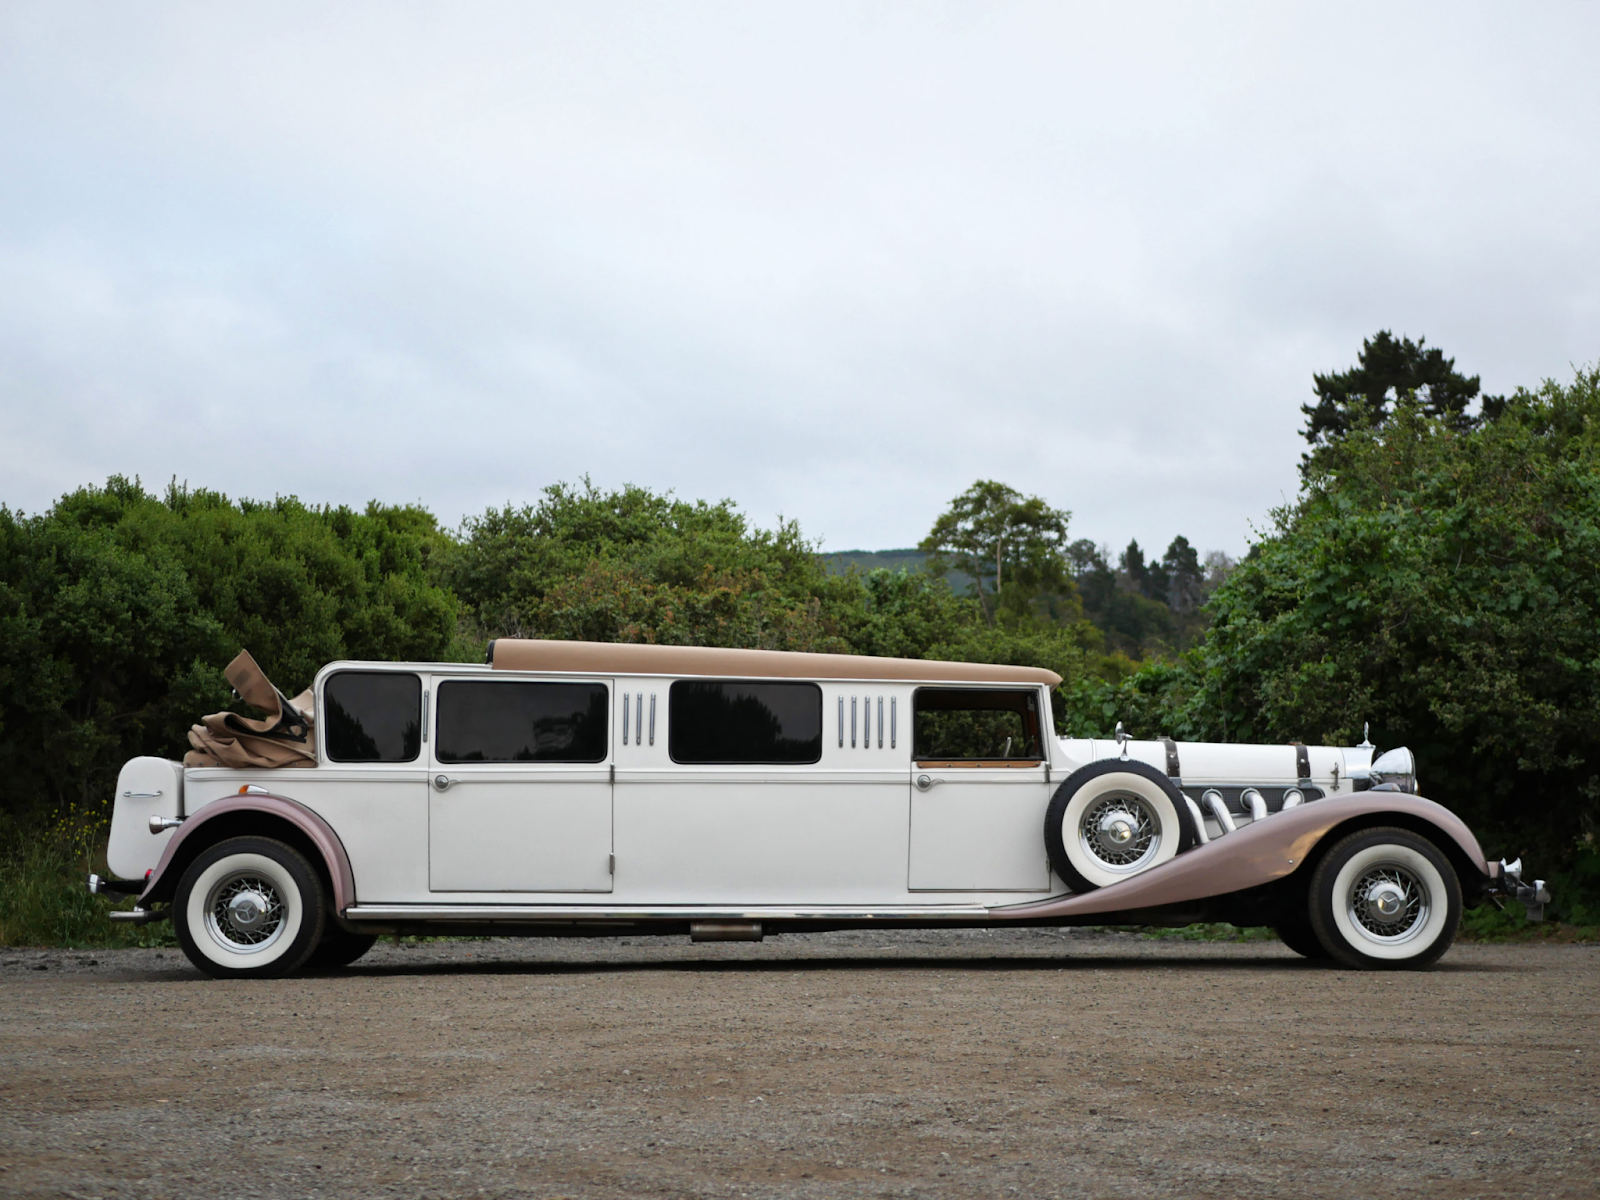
x: 266, y: 815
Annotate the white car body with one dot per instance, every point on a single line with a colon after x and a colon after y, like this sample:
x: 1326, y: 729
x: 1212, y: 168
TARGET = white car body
x: 637, y: 832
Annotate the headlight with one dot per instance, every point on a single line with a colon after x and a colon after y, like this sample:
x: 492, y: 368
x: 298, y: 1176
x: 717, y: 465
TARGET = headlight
x: 1395, y: 770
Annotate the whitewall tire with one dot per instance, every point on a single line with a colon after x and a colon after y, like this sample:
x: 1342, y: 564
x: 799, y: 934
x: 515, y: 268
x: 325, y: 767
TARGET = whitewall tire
x: 1385, y: 898
x: 1112, y: 820
x: 249, y: 907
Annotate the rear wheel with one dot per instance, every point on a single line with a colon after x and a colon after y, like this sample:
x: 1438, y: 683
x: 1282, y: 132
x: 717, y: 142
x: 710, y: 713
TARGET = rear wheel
x: 1385, y: 898
x: 249, y: 907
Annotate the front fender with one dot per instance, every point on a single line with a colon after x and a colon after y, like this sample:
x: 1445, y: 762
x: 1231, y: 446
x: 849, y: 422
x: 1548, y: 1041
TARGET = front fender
x: 1258, y: 853
x: 163, y: 880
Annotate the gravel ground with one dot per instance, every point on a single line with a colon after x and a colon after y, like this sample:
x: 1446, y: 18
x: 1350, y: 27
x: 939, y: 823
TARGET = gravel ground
x: 973, y: 1063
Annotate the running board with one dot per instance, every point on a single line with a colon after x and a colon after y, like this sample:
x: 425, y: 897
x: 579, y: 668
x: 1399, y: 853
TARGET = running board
x: 389, y: 913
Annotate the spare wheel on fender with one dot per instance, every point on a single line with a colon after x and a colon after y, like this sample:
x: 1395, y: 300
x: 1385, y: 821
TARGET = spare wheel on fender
x: 1111, y: 820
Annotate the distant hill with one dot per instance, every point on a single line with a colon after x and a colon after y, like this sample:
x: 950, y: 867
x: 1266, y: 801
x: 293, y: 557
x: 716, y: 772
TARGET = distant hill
x: 890, y: 560
x: 871, y: 560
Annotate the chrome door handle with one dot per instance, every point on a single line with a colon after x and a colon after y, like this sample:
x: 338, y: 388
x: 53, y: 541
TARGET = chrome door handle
x: 442, y: 783
x: 925, y: 782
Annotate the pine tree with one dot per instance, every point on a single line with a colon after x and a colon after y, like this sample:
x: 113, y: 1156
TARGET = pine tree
x: 1388, y: 368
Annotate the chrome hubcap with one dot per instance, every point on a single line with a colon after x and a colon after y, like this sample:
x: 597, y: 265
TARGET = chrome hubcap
x: 1119, y: 832
x: 1389, y: 903
x: 1116, y: 831
x: 245, y: 912
x: 1386, y: 903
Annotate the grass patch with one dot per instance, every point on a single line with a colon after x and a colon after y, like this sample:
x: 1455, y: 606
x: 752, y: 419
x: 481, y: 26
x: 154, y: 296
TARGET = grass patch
x: 1486, y: 923
x: 43, y: 901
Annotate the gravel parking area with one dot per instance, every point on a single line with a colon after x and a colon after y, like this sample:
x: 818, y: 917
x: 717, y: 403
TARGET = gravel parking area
x: 974, y: 1063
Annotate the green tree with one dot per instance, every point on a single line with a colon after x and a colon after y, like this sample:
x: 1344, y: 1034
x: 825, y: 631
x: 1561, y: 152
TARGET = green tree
x: 634, y: 566
x: 991, y: 530
x: 1135, y: 569
x: 118, y: 611
x: 1442, y: 583
x: 1181, y: 566
x: 1387, y: 371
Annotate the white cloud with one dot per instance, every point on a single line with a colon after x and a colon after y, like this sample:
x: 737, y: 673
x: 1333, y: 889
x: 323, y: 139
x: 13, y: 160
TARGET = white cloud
x: 831, y: 261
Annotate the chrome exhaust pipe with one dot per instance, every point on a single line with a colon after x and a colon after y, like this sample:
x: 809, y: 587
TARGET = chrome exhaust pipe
x: 1219, y: 809
x: 725, y: 931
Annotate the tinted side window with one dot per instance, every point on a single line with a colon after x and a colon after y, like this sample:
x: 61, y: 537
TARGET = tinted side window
x: 493, y: 721
x: 736, y: 722
x: 372, y: 716
x: 954, y: 723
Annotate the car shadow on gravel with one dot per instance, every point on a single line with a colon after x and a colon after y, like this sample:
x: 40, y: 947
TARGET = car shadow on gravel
x: 862, y: 963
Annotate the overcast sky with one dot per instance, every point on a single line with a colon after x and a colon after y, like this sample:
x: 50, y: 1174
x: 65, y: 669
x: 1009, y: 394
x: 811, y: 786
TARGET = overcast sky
x: 831, y: 261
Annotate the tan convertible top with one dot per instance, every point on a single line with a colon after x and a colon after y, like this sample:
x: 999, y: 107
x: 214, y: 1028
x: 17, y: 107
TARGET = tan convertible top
x: 626, y: 658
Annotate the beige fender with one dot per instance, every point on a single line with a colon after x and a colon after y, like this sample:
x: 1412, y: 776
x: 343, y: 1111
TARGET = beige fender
x: 321, y: 835
x: 1257, y: 853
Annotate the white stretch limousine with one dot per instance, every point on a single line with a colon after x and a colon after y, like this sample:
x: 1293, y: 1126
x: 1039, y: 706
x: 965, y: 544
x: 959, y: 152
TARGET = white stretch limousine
x: 583, y: 788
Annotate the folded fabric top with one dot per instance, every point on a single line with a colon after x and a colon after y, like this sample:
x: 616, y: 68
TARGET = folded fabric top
x: 284, y: 738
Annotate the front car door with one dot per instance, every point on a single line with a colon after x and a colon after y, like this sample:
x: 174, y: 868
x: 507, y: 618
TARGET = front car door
x: 979, y: 790
x: 520, y: 788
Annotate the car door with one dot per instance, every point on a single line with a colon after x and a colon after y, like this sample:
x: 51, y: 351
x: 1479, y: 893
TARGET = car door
x: 520, y: 786
x: 979, y: 790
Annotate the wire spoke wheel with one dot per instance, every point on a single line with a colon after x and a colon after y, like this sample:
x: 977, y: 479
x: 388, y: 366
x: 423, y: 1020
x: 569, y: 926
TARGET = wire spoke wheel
x: 245, y: 912
x: 1389, y: 903
x: 1384, y: 897
x: 1112, y: 819
x: 1120, y: 832
x: 249, y: 907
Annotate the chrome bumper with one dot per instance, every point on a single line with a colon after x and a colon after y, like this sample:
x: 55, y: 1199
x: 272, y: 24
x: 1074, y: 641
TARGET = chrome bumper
x: 115, y: 887
x: 124, y: 887
x: 1505, y: 879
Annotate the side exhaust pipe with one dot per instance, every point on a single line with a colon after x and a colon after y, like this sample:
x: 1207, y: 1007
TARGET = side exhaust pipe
x: 725, y: 931
x: 1219, y: 809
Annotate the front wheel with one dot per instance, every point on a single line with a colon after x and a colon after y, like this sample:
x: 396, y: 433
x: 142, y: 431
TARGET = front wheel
x: 1385, y: 898
x: 249, y: 907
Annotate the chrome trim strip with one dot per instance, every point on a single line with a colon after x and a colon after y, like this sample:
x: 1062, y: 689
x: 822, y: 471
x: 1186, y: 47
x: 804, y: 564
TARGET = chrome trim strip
x: 652, y: 718
x: 624, y: 718
x: 670, y: 912
x: 853, y: 700
x: 841, y: 722
x: 880, y: 722
x: 638, y: 718
x: 880, y: 773
x: 893, y: 722
x: 425, y: 694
